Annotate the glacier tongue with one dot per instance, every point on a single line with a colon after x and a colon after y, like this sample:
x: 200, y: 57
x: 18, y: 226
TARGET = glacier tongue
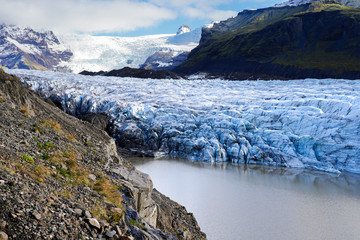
x: 301, y: 123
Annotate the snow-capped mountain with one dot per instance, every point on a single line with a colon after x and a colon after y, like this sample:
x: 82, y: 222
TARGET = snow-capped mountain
x: 168, y: 60
x: 293, y: 3
x: 96, y: 53
x: 183, y: 29
x: 22, y: 47
x: 26, y: 48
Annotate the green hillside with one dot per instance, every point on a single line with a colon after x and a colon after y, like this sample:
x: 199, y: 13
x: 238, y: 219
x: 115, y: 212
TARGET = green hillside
x: 321, y: 39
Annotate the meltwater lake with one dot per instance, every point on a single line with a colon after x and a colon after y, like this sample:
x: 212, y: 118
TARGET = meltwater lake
x: 234, y: 202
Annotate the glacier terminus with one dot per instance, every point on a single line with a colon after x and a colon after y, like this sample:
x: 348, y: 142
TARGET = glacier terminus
x: 309, y: 123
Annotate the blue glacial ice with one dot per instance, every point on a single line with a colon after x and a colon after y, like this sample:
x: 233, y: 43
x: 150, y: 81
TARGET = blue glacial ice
x: 310, y: 123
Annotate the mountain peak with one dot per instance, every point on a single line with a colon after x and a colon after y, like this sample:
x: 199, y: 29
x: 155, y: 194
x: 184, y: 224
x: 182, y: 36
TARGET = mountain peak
x: 293, y: 3
x: 183, y: 29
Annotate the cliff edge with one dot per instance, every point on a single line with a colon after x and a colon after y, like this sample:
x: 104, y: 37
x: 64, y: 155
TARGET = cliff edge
x: 62, y: 178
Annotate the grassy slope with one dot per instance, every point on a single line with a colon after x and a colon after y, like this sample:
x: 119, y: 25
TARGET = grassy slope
x: 317, y: 36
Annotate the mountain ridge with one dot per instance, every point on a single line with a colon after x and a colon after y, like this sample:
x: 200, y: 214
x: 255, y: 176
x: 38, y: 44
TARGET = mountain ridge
x: 312, y: 40
x: 352, y: 3
x: 26, y: 48
x: 30, y: 49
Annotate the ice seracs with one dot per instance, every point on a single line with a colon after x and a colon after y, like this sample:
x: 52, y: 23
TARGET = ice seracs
x: 302, y: 123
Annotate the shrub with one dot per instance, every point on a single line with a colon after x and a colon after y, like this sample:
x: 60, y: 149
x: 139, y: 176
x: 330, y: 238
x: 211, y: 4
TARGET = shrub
x: 114, y: 216
x: 27, y: 158
x: 109, y: 190
x: 52, y: 125
x: 45, y: 156
x: 42, y: 171
x: 37, y: 129
x: 45, y: 146
x: 89, y: 144
x: 70, y: 137
x: 25, y: 110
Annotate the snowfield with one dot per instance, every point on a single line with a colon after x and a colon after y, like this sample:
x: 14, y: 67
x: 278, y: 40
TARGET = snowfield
x: 309, y: 123
x: 96, y: 53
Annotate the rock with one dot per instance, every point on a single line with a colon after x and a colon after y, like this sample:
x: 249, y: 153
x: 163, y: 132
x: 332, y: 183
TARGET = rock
x: 69, y: 210
x: 118, y: 230
x: 87, y: 214
x: 142, y: 73
x: 3, y: 225
x: 78, y: 211
x: 94, y: 223
x: 104, y: 223
x: 141, y: 187
x: 110, y: 234
x: 101, y: 121
x: 3, y: 236
x: 92, y: 177
x: 116, y: 210
x: 36, y: 215
x: 2, y: 182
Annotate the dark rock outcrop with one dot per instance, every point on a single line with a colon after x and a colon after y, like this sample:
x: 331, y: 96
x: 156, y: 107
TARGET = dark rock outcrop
x: 136, y: 73
x: 99, y: 120
x: 172, y: 214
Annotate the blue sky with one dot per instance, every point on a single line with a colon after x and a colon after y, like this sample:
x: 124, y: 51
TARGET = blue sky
x: 171, y: 26
x: 122, y: 17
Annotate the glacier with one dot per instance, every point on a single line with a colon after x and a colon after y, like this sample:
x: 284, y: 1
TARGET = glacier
x: 105, y: 53
x: 309, y: 123
x: 21, y: 46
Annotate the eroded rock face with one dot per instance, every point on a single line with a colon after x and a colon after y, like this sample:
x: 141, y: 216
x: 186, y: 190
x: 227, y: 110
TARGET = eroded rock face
x: 141, y: 187
x: 171, y: 217
x: 99, y: 120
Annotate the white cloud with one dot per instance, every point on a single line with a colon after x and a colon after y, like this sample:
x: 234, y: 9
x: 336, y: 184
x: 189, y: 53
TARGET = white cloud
x: 84, y: 15
x: 200, y: 9
x: 106, y: 16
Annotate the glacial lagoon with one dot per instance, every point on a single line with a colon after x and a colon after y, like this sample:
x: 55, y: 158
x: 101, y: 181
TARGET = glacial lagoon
x: 234, y: 202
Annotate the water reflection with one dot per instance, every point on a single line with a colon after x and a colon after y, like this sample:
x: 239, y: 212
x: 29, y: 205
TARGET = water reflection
x: 321, y: 182
x: 260, y: 202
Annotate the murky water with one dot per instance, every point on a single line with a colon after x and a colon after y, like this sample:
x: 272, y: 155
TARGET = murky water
x: 257, y: 202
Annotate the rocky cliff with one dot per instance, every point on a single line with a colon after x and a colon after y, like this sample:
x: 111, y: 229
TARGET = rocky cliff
x: 318, y: 39
x: 62, y: 178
